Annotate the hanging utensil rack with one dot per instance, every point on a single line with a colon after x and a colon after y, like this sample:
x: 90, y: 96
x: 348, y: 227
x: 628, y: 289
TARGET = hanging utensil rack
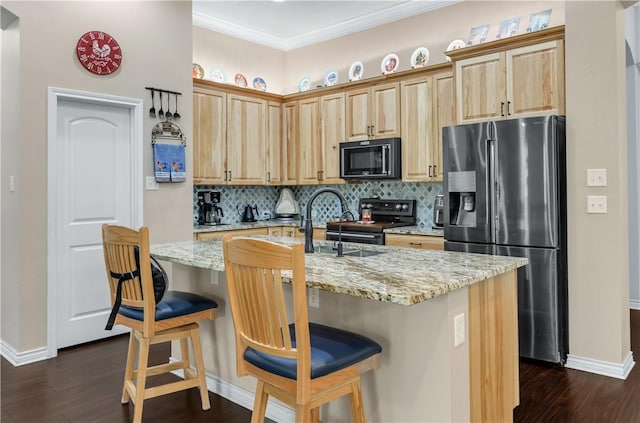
x: 168, y: 131
x: 162, y: 90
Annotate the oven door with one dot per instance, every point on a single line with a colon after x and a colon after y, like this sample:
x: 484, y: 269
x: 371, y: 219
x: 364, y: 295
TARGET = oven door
x: 359, y: 237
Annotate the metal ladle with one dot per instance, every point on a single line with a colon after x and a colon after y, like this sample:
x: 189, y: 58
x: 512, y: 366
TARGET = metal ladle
x: 161, y: 112
x: 176, y: 115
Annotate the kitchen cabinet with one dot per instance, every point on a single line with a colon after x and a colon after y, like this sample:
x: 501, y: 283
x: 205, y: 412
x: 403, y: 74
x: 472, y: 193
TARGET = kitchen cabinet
x: 427, y: 106
x: 320, y: 131
x: 318, y: 233
x: 209, y: 136
x: 424, y: 242
x: 373, y: 112
x: 273, y: 164
x: 518, y: 82
x: 246, y: 133
x: 290, y: 143
x: 204, y: 236
x: 284, y: 231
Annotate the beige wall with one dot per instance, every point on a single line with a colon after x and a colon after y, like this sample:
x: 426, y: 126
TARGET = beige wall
x: 596, y: 138
x: 156, y: 42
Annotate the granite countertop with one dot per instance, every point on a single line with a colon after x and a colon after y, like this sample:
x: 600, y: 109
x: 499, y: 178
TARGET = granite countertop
x: 251, y: 225
x: 415, y: 230
x: 398, y: 275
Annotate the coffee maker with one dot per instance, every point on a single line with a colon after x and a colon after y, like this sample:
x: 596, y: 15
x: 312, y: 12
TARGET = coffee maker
x: 438, y: 212
x: 209, y: 213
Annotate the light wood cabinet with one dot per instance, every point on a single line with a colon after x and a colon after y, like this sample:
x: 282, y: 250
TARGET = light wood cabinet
x: 209, y: 136
x: 246, y: 134
x: 275, y: 142
x: 427, y: 106
x: 424, y: 242
x: 519, y: 82
x: 320, y: 131
x: 204, y: 236
x: 290, y: 143
x: 283, y: 231
x: 373, y: 112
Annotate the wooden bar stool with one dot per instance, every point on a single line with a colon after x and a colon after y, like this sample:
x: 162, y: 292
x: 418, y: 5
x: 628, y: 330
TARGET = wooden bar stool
x: 175, y: 317
x: 302, y: 364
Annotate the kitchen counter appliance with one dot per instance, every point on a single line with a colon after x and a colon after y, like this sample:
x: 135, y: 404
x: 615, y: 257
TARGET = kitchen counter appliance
x: 384, y: 214
x: 505, y: 194
x: 209, y: 212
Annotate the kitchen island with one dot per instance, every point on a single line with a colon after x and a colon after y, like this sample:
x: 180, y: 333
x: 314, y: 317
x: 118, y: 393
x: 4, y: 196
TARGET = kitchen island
x: 408, y: 301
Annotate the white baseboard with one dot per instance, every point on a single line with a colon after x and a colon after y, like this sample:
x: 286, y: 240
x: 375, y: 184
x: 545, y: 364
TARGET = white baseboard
x: 634, y: 304
x: 275, y: 410
x: 21, y: 358
x: 618, y: 371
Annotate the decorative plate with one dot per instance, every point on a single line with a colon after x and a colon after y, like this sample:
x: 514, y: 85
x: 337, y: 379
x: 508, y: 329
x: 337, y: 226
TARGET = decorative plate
x: 304, y: 84
x: 259, y: 84
x: 420, y: 58
x: 240, y: 80
x: 389, y: 64
x: 454, y: 45
x: 331, y: 78
x: 197, y: 71
x: 355, y: 71
x: 218, y: 75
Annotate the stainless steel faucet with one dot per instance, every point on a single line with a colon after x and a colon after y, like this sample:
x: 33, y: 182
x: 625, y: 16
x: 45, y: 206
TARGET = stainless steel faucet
x: 308, y: 224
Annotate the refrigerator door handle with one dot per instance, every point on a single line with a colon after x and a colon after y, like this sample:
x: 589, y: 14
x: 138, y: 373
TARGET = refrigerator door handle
x: 493, y: 189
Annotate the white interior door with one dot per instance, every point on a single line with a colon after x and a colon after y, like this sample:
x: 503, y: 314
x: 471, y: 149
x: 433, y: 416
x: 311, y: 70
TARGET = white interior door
x: 95, y: 183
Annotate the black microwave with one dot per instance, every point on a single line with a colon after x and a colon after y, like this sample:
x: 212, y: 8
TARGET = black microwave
x: 372, y: 159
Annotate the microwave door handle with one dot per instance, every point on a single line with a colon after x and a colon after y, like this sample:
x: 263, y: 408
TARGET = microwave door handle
x: 385, y: 151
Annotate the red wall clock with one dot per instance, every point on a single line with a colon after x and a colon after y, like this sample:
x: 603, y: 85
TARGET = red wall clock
x: 99, y: 52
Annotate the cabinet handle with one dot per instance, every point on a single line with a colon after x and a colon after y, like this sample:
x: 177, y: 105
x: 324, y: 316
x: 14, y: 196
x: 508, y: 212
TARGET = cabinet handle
x: 435, y: 172
x: 225, y: 175
x: 229, y: 176
x: 322, y: 175
x: 430, y: 171
x: 372, y: 130
x: 502, y: 108
x: 508, y: 108
x: 318, y: 177
x: 417, y: 244
x: 268, y: 176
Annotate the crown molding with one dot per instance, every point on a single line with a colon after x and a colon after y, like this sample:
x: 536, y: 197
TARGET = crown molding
x: 390, y: 14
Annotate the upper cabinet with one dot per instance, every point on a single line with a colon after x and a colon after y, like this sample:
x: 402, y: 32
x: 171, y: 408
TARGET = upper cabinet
x: 511, y: 82
x: 373, y: 112
x: 309, y: 147
x: 274, y: 145
x: 290, y: 143
x: 209, y: 136
x: 331, y: 134
x: 246, y: 134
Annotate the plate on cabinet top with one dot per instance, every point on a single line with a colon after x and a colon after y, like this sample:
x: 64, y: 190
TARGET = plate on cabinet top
x: 240, y: 80
x: 218, y: 75
x: 197, y: 71
x: 259, y: 84
x: 454, y: 45
x: 331, y: 78
x: 389, y: 64
x: 420, y: 58
x: 355, y: 71
x: 304, y: 84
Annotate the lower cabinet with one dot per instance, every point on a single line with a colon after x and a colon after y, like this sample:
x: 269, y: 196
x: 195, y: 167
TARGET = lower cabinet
x: 424, y: 242
x: 285, y: 231
x: 318, y: 233
x: 204, y: 236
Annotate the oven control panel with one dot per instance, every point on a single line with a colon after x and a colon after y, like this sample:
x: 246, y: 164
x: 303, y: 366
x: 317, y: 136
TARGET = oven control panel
x: 391, y: 209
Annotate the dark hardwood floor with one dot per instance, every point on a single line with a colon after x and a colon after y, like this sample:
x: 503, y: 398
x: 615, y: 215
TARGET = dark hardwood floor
x: 83, y: 385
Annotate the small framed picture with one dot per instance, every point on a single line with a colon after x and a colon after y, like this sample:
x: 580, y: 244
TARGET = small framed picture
x: 478, y: 35
x: 539, y: 21
x: 508, y: 28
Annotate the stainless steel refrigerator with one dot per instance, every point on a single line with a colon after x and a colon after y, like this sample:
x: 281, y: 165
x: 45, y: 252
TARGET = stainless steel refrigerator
x: 505, y: 194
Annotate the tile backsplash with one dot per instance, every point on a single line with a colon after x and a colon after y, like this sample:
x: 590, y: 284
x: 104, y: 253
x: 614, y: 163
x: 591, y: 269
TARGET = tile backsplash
x: 326, y: 207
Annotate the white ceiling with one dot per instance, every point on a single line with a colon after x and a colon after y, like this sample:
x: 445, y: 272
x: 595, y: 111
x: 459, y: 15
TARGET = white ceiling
x: 291, y: 24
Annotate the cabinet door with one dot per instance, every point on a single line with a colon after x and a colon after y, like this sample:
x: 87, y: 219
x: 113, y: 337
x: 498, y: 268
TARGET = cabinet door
x: 417, y: 131
x: 480, y: 88
x: 290, y: 143
x: 358, y: 122
x: 205, y: 236
x: 423, y: 242
x: 246, y: 132
x: 209, y: 137
x: 444, y: 114
x: 535, y: 82
x: 275, y: 231
x: 310, y: 148
x: 332, y: 134
x: 385, y: 110
x: 274, y: 159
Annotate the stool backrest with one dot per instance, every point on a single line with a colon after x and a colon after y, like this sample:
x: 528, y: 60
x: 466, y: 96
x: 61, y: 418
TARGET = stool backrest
x: 255, y: 270
x: 119, y: 245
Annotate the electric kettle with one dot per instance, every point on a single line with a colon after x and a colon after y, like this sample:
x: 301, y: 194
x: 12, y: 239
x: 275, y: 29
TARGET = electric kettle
x: 247, y: 215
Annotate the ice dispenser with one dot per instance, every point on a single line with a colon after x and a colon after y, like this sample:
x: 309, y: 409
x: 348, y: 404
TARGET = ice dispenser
x: 462, y: 198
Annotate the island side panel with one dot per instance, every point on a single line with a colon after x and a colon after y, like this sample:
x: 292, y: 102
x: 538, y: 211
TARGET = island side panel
x: 493, y: 348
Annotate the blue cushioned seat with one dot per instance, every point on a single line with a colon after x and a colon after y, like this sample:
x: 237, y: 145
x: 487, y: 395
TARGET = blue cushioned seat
x: 331, y: 349
x: 173, y: 304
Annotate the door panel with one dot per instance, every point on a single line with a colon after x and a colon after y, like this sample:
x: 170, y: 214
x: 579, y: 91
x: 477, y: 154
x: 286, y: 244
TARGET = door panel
x: 95, y: 185
x: 527, y: 181
x: 246, y: 140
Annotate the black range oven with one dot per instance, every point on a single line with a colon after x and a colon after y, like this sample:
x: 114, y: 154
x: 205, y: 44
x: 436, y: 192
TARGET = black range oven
x: 383, y: 214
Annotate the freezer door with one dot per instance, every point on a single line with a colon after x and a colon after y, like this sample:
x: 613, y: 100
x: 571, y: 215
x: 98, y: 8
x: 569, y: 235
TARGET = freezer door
x: 527, y: 182
x: 466, y: 183
x: 542, y: 304
x: 464, y: 247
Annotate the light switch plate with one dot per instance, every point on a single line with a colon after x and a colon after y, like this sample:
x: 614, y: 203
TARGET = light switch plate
x: 596, y: 177
x: 597, y: 204
x: 314, y: 297
x: 151, y: 183
x: 458, y: 330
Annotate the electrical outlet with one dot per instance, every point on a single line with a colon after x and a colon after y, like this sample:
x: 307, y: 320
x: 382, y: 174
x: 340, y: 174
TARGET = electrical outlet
x: 151, y: 183
x: 597, y: 204
x: 12, y: 183
x: 215, y: 277
x: 314, y: 297
x: 458, y: 330
x: 596, y: 177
